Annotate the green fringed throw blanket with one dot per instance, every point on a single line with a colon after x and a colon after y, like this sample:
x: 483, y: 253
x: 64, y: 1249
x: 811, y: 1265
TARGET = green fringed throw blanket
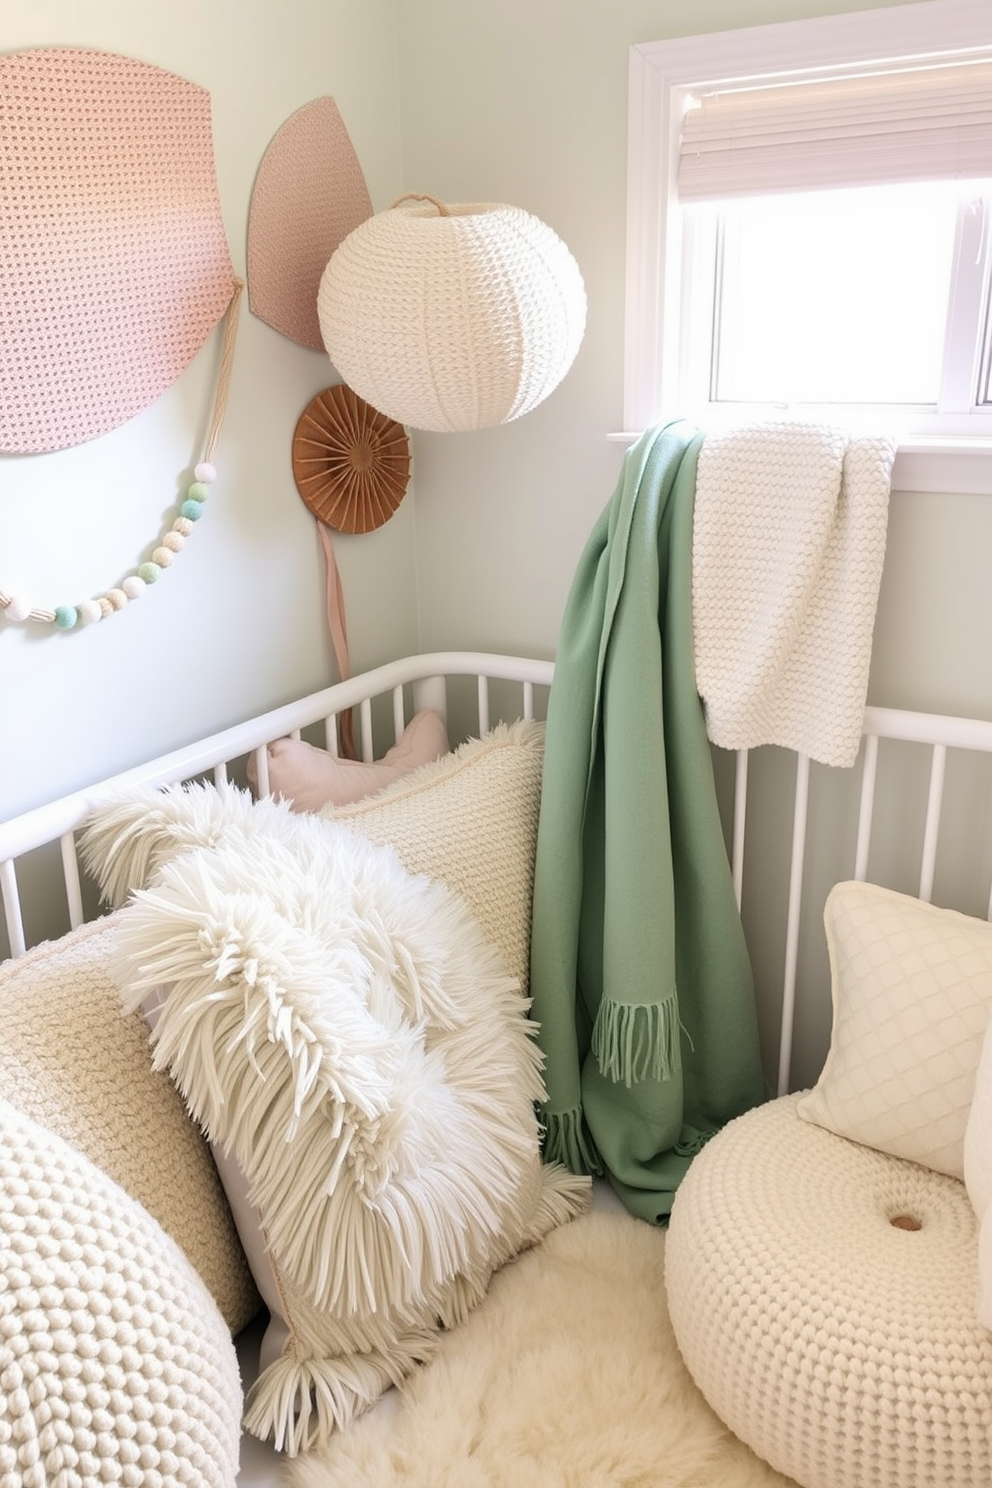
x: 640, y: 977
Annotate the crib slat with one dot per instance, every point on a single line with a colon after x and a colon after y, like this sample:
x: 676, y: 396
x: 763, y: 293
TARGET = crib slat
x: 365, y: 712
x: 261, y: 757
x: 935, y: 796
x: 483, y: 705
x: 868, y: 773
x: 528, y: 700
x: 399, y: 715
x: 12, y: 908
x: 70, y: 872
x: 792, y: 925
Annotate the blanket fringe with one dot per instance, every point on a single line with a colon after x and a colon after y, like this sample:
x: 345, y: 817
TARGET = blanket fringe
x: 634, y: 1042
x: 566, y: 1141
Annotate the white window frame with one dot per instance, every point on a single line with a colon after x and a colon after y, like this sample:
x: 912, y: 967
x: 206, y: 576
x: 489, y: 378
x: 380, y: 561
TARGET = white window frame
x: 662, y: 76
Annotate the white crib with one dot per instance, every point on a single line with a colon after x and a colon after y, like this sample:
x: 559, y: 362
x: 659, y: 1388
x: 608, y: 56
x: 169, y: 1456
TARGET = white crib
x: 912, y: 813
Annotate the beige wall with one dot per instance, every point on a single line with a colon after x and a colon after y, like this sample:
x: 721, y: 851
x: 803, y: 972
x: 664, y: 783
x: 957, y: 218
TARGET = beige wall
x: 237, y: 624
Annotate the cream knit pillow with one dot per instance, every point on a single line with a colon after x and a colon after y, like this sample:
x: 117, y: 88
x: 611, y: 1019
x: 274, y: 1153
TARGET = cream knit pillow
x: 470, y: 820
x: 72, y: 1063
x: 912, y: 989
x: 115, y: 1364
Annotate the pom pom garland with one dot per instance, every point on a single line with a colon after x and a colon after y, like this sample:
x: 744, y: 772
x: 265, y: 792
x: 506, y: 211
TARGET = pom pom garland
x: 66, y: 617
x: 15, y: 608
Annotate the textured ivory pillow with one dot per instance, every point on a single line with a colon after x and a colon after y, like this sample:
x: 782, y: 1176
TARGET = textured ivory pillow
x: 912, y: 989
x: 978, y: 1173
x: 115, y: 1364
x: 72, y: 1063
x: 310, y: 778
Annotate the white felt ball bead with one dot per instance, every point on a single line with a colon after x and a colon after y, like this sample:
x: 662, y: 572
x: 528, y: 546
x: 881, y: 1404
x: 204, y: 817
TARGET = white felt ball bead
x: 174, y: 541
x: 89, y: 612
x: 18, y: 609
x: 133, y: 587
x: 205, y: 472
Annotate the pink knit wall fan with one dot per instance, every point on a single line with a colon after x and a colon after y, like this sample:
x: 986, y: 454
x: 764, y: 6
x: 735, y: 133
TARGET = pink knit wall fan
x: 114, y: 266
x: 309, y: 193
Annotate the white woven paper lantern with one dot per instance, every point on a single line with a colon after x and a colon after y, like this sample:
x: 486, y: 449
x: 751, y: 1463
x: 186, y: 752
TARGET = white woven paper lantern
x: 452, y: 317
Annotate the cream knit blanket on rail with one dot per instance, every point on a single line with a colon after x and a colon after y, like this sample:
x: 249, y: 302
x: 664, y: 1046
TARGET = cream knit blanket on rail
x: 789, y: 536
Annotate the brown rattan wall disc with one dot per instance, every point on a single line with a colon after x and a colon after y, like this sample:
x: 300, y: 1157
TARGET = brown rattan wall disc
x: 351, y: 463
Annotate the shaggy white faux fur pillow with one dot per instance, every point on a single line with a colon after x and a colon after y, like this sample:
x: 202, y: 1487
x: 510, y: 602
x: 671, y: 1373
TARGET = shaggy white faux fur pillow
x: 345, y: 1029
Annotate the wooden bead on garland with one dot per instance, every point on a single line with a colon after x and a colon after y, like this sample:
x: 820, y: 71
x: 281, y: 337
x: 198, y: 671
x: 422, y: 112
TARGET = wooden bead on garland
x: 89, y: 611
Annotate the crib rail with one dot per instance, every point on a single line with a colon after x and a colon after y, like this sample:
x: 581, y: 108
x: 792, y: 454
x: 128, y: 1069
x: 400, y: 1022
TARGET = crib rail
x: 426, y: 676
x: 400, y: 688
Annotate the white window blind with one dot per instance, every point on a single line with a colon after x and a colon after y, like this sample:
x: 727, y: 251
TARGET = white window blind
x: 862, y: 129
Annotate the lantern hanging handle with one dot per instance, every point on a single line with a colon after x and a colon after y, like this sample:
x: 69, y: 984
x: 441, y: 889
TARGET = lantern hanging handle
x: 421, y: 196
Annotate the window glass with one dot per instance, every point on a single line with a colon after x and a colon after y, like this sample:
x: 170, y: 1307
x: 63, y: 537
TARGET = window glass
x: 834, y: 297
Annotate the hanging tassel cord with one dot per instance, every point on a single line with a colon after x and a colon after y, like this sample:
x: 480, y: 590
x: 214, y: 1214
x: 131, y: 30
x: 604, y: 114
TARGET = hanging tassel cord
x: 338, y: 626
x: 231, y: 319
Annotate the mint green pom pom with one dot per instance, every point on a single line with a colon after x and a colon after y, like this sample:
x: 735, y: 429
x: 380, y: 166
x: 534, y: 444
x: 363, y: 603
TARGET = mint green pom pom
x: 66, y: 616
x: 191, y: 509
x: 198, y: 491
x: 149, y: 572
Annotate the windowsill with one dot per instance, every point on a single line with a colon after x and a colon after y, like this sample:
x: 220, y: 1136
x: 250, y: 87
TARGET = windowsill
x: 924, y: 462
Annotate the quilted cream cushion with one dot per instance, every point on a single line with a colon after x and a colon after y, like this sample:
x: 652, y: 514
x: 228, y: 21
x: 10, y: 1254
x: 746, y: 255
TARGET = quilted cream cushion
x: 115, y: 1365
x: 912, y: 989
x: 72, y: 1063
x: 823, y: 1298
x: 978, y: 1173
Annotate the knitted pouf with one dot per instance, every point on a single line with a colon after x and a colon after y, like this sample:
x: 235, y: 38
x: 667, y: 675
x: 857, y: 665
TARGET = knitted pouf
x: 823, y: 1297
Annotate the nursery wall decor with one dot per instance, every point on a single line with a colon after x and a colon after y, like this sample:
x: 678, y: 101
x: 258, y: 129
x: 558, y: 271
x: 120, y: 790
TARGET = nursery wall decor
x: 351, y: 465
x: 309, y: 193
x: 452, y: 317
x: 114, y: 269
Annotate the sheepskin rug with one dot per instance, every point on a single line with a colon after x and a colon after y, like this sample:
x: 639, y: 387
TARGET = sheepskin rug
x: 566, y: 1376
